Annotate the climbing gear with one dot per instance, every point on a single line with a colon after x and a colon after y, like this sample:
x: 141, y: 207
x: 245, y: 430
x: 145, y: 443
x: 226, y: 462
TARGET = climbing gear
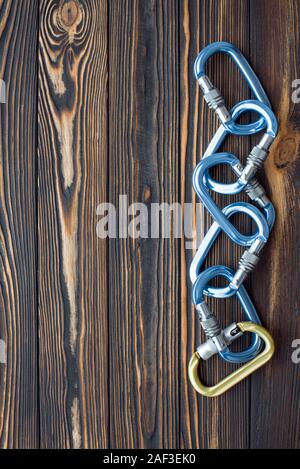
x: 220, y: 339
x: 213, y: 96
x: 239, y: 374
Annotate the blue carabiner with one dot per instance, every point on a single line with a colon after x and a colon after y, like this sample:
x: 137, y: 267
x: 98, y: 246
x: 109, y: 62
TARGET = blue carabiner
x: 239, y: 109
x: 222, y: 132
x: 202, y: 180
x: 262, y: 233
x: 246, y: 70
x: 234, y: 188
x: 200, y: 289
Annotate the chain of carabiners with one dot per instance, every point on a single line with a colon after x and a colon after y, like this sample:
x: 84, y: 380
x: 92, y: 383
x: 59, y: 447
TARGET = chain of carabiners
x: 262, y: 214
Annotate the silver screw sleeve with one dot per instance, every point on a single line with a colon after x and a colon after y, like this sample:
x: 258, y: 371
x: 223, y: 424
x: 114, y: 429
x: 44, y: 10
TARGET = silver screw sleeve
x: 209, y: 348
x: 254, y: 189
x: 247, y: 263
x: 214, y: 99
x: 256, y: 158
x: 254, y: 161
x: 257, y: 193
x: 208, y: 320
x: 211, y: 326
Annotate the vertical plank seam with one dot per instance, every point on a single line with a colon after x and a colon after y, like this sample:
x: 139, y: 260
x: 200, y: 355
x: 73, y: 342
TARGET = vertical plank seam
x: 36, y: 178
x: 107, y: 240
x: 178, y: 436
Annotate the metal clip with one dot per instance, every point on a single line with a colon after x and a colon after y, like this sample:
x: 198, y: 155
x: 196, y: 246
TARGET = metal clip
x: 241, y: 373
x: 247, y: 263
x: 212, y: 328
x: 220, y: 339
x: 202, y: 182
x: 213, y: 96
x: 200, y: 186
x: 255, y: 241
x: 245, y: 130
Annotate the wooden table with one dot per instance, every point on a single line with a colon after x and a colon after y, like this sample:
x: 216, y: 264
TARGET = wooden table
x: 100, y: 101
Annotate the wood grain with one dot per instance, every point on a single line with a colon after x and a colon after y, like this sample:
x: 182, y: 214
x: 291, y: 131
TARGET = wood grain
x: 73, y: 324
x: 275, y: 407
x: 99, y: 332
x: 143, y: 273
x: 18, y: 307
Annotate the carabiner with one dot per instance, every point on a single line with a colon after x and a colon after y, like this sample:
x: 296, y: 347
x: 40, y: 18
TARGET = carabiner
x: 259, y: 151
x: 234, y: 188
x: 210, y: 323
x: 202, y: 181
x: 241, y: 373
x: 260, y: 234
x: 219, y: 340
x: 239, y: 109
x: 213, y: 96
x: 254, y: 189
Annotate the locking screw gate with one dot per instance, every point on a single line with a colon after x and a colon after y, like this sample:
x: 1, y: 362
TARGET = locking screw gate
x: 214, y: 99
x: 219, y: 339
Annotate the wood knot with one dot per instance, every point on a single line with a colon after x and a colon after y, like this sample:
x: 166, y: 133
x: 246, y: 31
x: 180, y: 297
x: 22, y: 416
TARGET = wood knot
x: 147, y: 194
x: 69, y: 13
x: 285, y: 152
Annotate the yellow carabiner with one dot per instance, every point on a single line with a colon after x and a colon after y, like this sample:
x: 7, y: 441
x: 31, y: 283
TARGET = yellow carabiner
x: 239, y: 374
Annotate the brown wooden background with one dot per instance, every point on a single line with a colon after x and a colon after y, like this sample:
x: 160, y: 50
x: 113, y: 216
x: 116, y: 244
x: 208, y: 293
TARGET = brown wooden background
x: 102, y: 101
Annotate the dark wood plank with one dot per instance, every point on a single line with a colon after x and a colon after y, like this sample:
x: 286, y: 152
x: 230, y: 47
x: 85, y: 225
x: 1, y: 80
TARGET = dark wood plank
x: 72, y: 261
x: 275, y: 406
x: 18, y: 319
x: 222, y: 422
x: 143, y: 273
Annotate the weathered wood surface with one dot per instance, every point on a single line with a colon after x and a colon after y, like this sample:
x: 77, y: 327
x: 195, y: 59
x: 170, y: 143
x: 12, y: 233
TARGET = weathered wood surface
x: 18, y: 288
x: 73, y: 283
x: 143, y: 273
x: 99, y: 332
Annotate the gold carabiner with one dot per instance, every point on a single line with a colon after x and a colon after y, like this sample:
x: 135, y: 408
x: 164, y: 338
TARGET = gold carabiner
x: 239, y: 374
